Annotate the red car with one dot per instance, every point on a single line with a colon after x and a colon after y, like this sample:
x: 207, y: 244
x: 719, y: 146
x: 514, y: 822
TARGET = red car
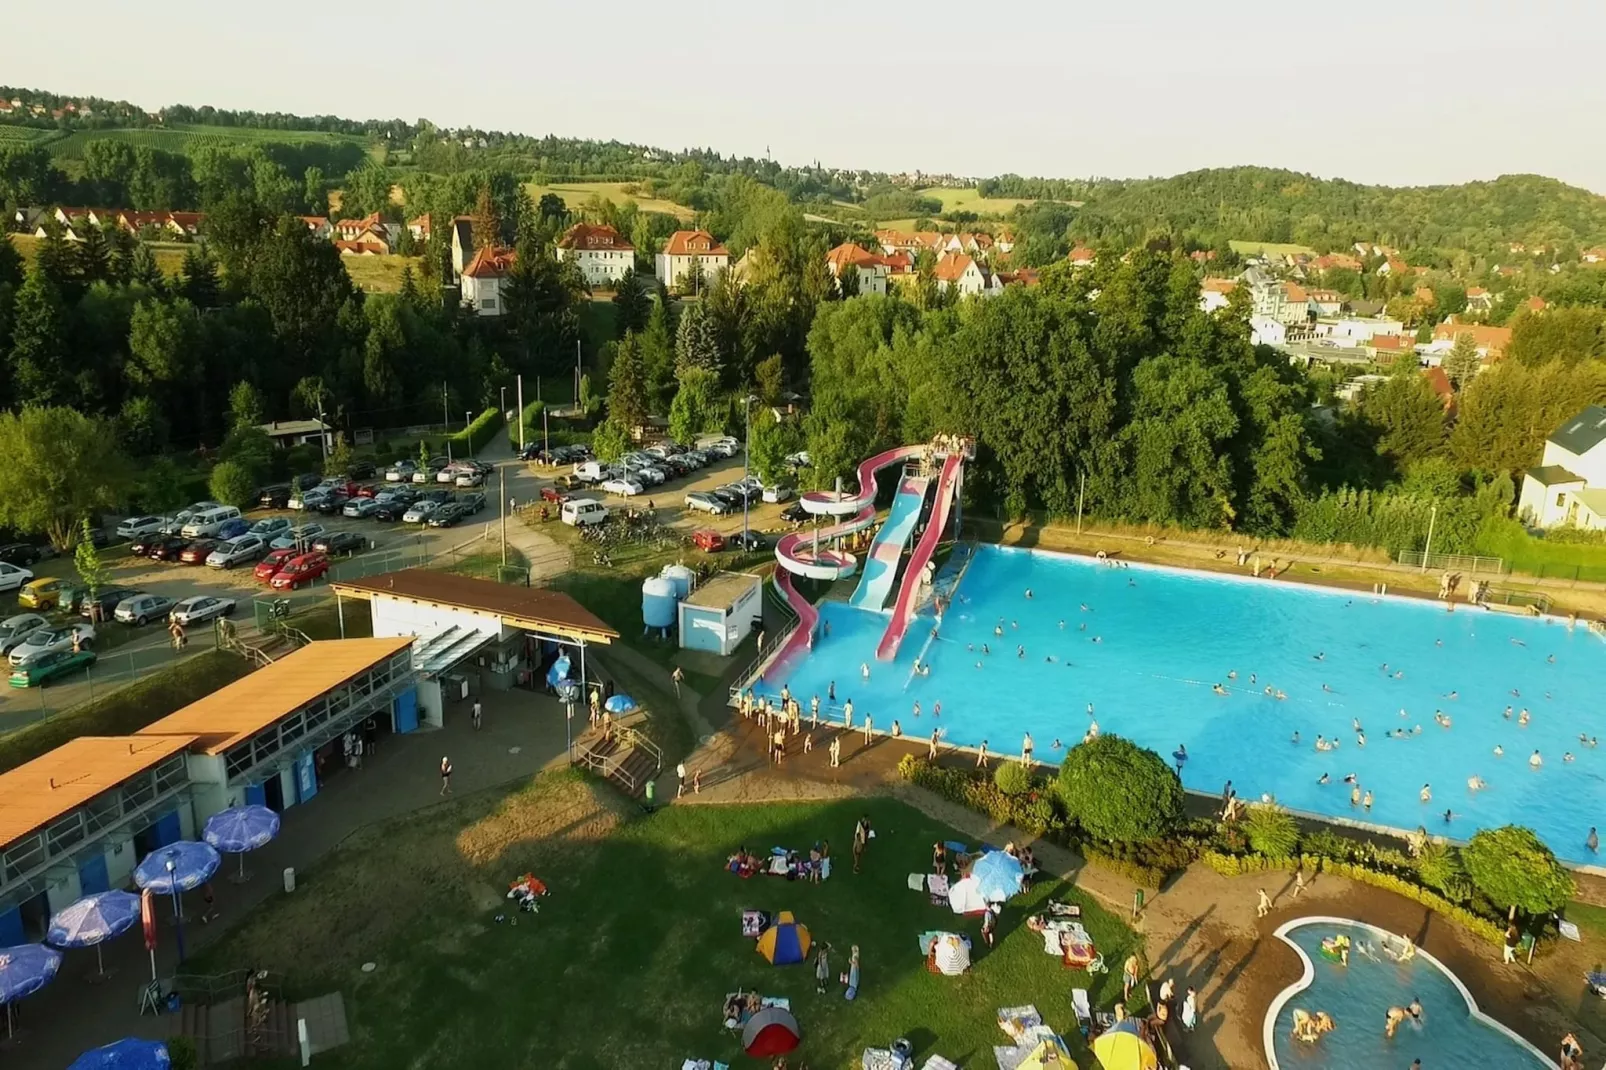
x: 271, y: 564
x: 708, y: 540
x: 368, y: 490
x: 299, y: 570
x: 554, y: 495
x: 196, y: 552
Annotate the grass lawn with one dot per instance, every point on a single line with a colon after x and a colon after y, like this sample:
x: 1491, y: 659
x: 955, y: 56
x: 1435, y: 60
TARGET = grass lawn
x: 969, y: 199
x: 575, y: 194
x: 169, y: 255
x: 1269, y: 248
x: 379, y: 274
x: 629, y: 960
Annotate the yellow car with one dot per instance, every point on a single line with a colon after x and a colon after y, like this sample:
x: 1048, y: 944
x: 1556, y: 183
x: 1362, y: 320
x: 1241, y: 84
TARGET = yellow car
x: 44, y: 593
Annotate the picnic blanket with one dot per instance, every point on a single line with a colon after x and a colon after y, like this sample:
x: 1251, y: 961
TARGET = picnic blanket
x: 937, y: 1062
x: 882, y: 1059
x: 1017, y: 1022
x: 754, y: 922
x: 740, y: 1020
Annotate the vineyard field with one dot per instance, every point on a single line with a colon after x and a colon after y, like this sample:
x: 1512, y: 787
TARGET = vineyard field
x: 186, y: 139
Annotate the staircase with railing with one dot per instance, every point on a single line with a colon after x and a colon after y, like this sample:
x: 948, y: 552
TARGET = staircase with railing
x: 233, y: 1016
x: 627, y: 757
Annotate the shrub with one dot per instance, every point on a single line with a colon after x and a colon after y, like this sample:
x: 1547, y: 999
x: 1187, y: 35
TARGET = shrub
x: 1439, y: 866
x: 232, y: 484
x: 1270, y: 830
x: 1117, y: 790
x: 181, y: 1052
x: 1013, y: 778
x: 475, y: 436
x: 1513, y: 867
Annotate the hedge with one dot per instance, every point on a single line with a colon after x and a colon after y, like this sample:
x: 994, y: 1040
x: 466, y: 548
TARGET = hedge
x: 1236, y: 865
x: 530, y: 422
x: 477, y: 434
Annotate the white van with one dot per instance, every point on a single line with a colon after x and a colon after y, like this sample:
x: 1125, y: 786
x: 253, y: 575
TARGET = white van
x: 207, y: 521
x: 581, y: 512
x: 591, y: 471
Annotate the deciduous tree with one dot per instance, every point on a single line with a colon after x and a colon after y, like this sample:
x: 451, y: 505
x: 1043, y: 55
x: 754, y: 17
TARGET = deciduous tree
x: 61, y: 467
x: 1119, y: 791
x: 1514, y: 868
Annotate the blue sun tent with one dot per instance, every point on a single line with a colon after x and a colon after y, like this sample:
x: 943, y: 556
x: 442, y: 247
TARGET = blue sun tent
x: 786, y: 942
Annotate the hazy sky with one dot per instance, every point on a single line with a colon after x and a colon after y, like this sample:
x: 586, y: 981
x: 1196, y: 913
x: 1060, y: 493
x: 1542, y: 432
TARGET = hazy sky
x: 1403, y: 93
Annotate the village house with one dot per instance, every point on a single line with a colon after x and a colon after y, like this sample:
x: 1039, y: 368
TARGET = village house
x: 1333, y: 261
x: 1536, y: 304
x: 1385, y: 349
x: 871, y: 269
x: 1350, y: 331
x: 319, y: 225
x: 688, y: 256
x: 1479, y: 299
x: 1596, y: 255
x: 1393, y: 266
x: 962, y: 273
x: 1082, y: 256
x: 353, y: 229
x: 419, y: 228
x: 1569, y: 484
x: 462, y: 244
x: 1325, y: 302
x: 484, y: 279
x: 603, y: 255
x: 287, y: 433
x: 1491, y: 342
x: 1216, y: 293
x: 1286, y: 302
x: 364, y: 246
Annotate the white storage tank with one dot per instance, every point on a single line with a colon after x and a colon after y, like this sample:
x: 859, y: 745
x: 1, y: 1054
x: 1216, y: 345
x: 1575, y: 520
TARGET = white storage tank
x: 682, y: 577
x: 658, y: 603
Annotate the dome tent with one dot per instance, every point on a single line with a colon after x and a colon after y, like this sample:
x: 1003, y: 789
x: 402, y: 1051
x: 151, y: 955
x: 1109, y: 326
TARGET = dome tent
x: 1048, y: 1054
x: 772, y: 1031
x: 786, y: 942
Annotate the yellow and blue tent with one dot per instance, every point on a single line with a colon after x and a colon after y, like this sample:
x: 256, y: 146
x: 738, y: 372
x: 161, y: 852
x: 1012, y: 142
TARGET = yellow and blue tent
x: 1121, y: 1047
x: 786, y: 942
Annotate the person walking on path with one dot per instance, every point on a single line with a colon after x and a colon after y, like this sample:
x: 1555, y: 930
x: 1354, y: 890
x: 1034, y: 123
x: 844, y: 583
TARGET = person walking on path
x: 479, y: 713
x: 1026, y: 750
x: 861, y: 839
x: 867, y: 722
x: 1190, y: 1010
x: 1299, y: 881
x: 1263, y: 907
x: 981, y: 756
x: 1129, y: 977
x: 822, y: 969
x: 931, y: 756
x: 680, y: 779
x: 836, y: 751
x: 446, y: 775
x: 1513, y: 938
x: 176, y: 630
x: 677, y: 676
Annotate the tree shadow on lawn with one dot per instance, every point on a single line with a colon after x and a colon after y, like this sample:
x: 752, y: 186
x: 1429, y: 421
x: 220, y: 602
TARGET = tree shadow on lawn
x: 630, y: 958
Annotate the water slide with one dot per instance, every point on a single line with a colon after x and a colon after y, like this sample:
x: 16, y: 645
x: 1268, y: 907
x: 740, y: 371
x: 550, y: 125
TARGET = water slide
x: 881, y: 563
x: 903, y: 610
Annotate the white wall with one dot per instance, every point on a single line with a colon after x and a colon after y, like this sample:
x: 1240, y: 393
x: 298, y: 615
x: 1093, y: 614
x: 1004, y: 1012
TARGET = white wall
x: 392, y: 616
x: 120, y: 860
x: 1591, y: 467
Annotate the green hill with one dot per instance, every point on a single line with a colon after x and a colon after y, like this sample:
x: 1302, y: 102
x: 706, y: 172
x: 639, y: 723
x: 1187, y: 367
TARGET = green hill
x: 187, y: 139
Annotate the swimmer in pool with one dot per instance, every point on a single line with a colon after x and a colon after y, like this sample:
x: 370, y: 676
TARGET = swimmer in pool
x: 1050, y: 658
x: 1534, y: 761
x: 1014, y: 624
x: 998, y: 629
x: 1268, y: 691
x: 1514, y: 693
x: 1062, y: 626
x: 1252, y: 678
x: 1367, y: 801
x: 1020, y: 652
x: 1323, y: 779
x: 1426, y: 794
x: 1085, y: 609
x: 1232, y: 674
x: 1082, y: 627
x: 1098, y: 639
x: 1567, y: 757
x: 1416, y: 730
x: 936, y: 709
x: 1327, y: 689
x: 1400, y: 675
x: 1475, y: 783
x: 1398, y: 733
x: 1449, y: 816
x: 1281, y: 694
x: 1321, y: 743
x: 1523, y: 718
x: 917, y: 709
x: 985, y: 650
x: 1452, y: 696
x: 1295, y: 740
x: 1028, y: 592
x: 1218, y: 689
x: 1349, y: 778
x: 1392, y: 1020
x: 1508, y: 713
x: 1551, y: 659
x: 1090, y: 709
x: 1057, y: 744
x: 1499, y: 751
x: 864, y: 669
x: 1360, y: 739
x: 1319, y: 656
x: 1355, y: 724
x: 1517, y: 642
x: 1442, y: 717
x: 1355, y: 795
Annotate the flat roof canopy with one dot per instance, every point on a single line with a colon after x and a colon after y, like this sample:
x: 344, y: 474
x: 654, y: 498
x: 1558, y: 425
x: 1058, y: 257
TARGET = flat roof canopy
x: 531, y: 608
x: 55, y: 784
x: 723, y: 590
x: 247, y: 706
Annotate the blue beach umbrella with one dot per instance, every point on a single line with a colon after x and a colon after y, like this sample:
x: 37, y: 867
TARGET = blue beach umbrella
x: 129, y: 1053
x: 93, y: 920
x: 25, y: 969
x: 620, y: 704
x: 240, y: 829
x: 193, y: 864
x: 998, y: 876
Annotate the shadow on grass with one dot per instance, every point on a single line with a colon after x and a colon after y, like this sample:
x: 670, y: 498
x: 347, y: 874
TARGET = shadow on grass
x: 630, y: 957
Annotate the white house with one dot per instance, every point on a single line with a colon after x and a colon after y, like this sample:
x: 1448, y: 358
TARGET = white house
x: 484, y: 279
x: 688, y: 254
x: 1569, y: 486
x: 1351, y: 331
x: 961, y: 272
x: 1479, y: 299
x: 288, y: 433
x: 1267, y: 331
x: 1215, y: 293
x: 871, y: 269
x: 1325, y: 302
x: 601, y: 251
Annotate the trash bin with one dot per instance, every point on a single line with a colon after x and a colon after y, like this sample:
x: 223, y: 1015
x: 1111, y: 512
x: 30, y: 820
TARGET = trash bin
x: 289, y: 879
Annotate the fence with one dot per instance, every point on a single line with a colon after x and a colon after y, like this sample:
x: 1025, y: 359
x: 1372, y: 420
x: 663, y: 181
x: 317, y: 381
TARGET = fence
x: 21, y: 707
x: 1573, y: 573
x: 1471, y: 564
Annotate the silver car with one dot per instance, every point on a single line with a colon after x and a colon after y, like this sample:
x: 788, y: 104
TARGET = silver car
x: 699, y: 499
x: 201, y: 607
x: 358, y: 508
x: 142, y: 609
x: 47, y: 640
x: 240, y: 550
x: 302, y: 536
x: 420, y: 512
x: 270, y: 527
x: 15, y: 630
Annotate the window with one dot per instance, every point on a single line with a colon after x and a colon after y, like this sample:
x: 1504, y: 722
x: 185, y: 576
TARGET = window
x: 1561, y: 500
x: 488, y: 303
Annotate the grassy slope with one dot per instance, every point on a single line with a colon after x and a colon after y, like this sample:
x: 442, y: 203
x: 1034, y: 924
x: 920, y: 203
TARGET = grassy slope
x: 1269, y: 248
x: 185, y: 138
x: 575, y: 194
x: 169, y: 255
x: 968, y: 199
x: 629, y: 959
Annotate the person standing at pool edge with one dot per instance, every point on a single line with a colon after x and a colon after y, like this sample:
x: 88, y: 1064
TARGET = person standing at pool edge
x: 1026, y: 749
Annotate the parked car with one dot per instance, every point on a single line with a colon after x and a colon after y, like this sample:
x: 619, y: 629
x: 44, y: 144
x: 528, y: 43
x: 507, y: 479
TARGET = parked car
x: 696, y: 458
x: 472, y: 478
x: 199, y: 608
x: 50, y: 666
x: 19, y: 553
x: 270, y: 527
x: 589, y: 472
x: 276, y: 496
x: 230, y: 529
x: 298, y: 538
x: 622, y: 486
x: 44, y: 593
x: 393, y: 510
x: 451, y: 472
x: 360, y: 470
x: 705, y: 502
x: 168, y: 548
x: 471, y: 503
x: 104, y: 602
x: 48, y: 640
x: 370, y: 490
x: 135, y: 526
x: 554, y: 495
x: 304, y: 481
x: 142, y: 609
x: 583, y: 512
x: 237, y: 551
x: 800, y: 459
x: 401, y: 472
x: 750, y: 540
x: 340, y: 542
x: 733, y: 499
x: 708, y: 540
x: 332, y: 502
x: 205, y: 523
x: 721, y: 447
x: 307, y: 499
x: 430, y: 470
x: 273, y: 562
x: 795, y: 513
x: 198, y: 551
x: 360, y: 508
x: 420, y: 511
x: 15, y: 630
x: 649, y: 475
x: 142, y: 546
x: 300, y: 570
x: 777, y: 494
x: 569, y: 482
x: 446, y: 515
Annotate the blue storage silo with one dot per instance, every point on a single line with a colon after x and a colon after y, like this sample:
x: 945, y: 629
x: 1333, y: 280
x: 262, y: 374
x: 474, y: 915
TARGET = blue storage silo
x: 682, y: 577
x: 658, y: 603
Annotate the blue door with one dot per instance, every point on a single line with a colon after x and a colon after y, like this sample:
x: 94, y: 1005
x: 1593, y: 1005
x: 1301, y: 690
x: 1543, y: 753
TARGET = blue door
x: 167, y: 829
x: 92, y: 876
x: 255, y: 795
x: 406, y: 711
x: 11, y: 928
x: 306, y: 778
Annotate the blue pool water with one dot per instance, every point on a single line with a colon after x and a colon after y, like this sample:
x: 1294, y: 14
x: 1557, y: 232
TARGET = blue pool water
x: 1357, y: 997
x: 876, y: 579
x: 1166, y: 636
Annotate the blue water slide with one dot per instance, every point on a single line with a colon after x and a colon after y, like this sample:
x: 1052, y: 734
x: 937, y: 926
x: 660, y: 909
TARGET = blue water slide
x: 881, y: 563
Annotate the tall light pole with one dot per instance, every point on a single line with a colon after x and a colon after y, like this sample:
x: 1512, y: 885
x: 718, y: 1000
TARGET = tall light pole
x: 520, y: 403
x: 468, y: 418
x: 747, y: 435
x: 577, y: 373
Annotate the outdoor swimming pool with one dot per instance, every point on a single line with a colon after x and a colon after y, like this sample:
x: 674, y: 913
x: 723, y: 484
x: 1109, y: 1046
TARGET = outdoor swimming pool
x: 1152, y: 641
x: 1357, y: 997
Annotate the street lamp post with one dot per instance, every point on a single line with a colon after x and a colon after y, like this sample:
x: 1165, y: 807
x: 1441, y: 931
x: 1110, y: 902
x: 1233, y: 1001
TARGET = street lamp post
x: 178, y: 911
x: 747, y: 435
x: 468, y: 418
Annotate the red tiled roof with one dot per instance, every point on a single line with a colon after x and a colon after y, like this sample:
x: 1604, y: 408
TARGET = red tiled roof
x: 1441, y: 385
x: 422, y: 223
x: 1220, y: 286
x: 490, y: 263
x: 592, y: 236
x: 1493, y: 339
x: 1336, y: 260
x: 850, y: 254
x: 1477, y: 291
x: 358, y: 247
x: 1294, y: 293
x: 1327, y: 297
x: 693, y: 243
x: 1537, y: 303
x: 314, y: 220
x: 1082, y: 255
x: 1392, y: 342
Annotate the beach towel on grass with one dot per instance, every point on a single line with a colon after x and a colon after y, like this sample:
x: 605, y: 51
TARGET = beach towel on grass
x: 917, y: 882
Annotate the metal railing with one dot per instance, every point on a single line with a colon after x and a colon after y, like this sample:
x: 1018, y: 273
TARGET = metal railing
x: 608, y: 766
x: 1468, y: 563
x: 631, y: 737
x: 771, y: 646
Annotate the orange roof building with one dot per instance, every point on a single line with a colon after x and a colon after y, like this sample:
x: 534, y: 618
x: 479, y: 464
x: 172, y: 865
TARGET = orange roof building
x: 690, y: 259
x: 600, y: 251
